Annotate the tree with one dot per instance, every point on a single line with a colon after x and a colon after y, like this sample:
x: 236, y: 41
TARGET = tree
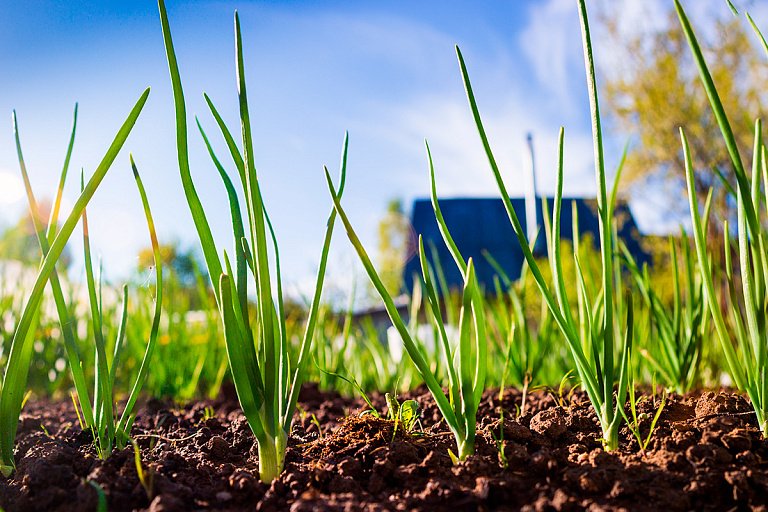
x: 657, y: 89
x: 19, y: 243
x: 183, y: 274
x: 394, y: 234
x: 182, y: 264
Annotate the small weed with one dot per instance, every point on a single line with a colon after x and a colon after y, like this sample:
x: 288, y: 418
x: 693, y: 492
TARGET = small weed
x: 406, y: 413
x: 101, y: 505
x: 559, y: 395
x: 145, y: 477
x: 500, y: 444
x: 317, y: 424
x: 634, y: 424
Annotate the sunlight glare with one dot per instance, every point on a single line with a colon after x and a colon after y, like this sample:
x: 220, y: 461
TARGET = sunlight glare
x: 11, y: 188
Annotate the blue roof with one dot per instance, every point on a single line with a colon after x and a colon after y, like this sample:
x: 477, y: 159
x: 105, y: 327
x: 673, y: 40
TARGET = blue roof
x: 481, y: 224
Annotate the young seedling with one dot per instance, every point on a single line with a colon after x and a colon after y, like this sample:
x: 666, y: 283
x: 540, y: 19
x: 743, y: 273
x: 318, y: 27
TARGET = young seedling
x: 559, y: 394
x: 406, y: 413
x: 634, y: 423
x: 499, y: 441
x: 316, y: 423
x: 147, y: 478
x: 265, y: 388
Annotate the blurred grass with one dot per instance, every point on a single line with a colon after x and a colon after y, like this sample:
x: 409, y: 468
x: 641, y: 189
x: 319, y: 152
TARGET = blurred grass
x: 190, y: 359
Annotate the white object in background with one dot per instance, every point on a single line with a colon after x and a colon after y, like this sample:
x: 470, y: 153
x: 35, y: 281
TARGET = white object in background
x: 531, y: 222
x: 425, y: 335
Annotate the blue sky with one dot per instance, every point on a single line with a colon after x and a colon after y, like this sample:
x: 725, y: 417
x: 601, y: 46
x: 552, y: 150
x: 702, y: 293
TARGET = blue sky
x: 384, y: 71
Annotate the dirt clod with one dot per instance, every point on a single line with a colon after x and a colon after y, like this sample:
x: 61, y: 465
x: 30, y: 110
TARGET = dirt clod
x: 550, y: 423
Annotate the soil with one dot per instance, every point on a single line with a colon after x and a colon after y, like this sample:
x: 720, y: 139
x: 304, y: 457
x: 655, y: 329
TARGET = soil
x: 705, y: 454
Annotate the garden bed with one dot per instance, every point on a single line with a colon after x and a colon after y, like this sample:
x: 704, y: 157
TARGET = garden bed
x: 705, y: 454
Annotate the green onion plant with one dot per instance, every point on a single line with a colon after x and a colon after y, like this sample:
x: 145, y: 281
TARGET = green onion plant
x: 260, y: 362
x: 107, y: 433
x: 99, y: 415
x: 466, y: 362
x: 17, y: 366
x: 592, y: 347
x: 676, y: 350
x: 747, y: 367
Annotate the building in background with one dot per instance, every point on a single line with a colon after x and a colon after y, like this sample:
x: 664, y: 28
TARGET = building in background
x: 481, y: 228
x: 480, y: 225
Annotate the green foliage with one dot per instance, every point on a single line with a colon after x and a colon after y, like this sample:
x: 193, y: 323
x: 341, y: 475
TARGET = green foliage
x: 405, y: 414
x: 192, y: 338
x: 408, y: 414
x: 522, y: 329
x: 680, y: 324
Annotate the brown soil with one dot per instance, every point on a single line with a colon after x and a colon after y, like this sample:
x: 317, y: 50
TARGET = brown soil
x: 706, y: 454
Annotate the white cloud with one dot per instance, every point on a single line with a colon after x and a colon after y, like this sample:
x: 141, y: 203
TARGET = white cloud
x: 550, y: 43
x: 461, y: 166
